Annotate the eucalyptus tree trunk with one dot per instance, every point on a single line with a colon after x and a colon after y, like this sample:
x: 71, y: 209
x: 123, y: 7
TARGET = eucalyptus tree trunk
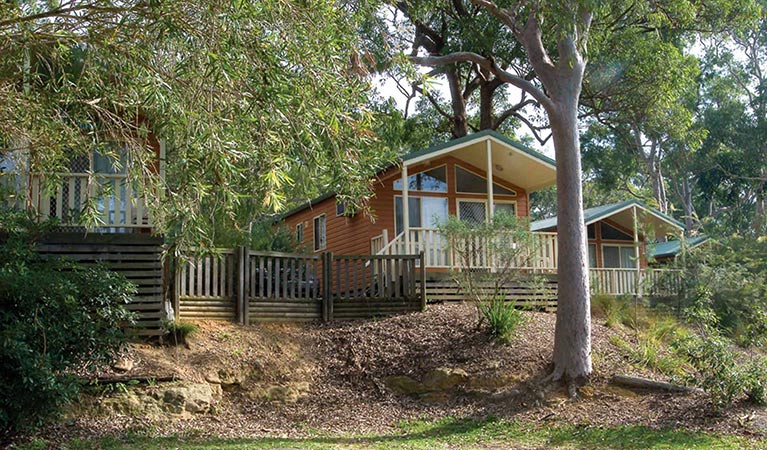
x: 572, y: 337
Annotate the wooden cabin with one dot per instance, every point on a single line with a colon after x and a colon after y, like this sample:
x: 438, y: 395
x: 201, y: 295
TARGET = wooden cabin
x: 102, y: 217
x: 471, y: 178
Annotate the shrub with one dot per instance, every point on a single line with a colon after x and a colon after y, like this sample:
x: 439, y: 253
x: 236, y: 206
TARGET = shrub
x: 55, y: 317
x: 178, y: 330
x: 756, y: 381
x: 614, y: 310
x: 506, y: 244
x: 730, y: 278
x: 502, y: 317
x: 717, y: 372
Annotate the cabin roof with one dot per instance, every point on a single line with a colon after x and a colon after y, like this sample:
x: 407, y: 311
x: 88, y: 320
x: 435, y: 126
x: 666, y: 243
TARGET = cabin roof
x: 512, y: 161
x: 531, y: 170
x: 621, y: 213
x: 672, y: 248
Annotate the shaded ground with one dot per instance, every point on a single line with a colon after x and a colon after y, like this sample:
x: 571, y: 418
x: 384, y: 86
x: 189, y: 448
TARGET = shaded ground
x: 291, y: 380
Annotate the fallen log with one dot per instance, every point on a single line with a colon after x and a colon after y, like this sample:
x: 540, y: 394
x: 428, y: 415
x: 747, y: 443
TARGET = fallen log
x: 646, y: 383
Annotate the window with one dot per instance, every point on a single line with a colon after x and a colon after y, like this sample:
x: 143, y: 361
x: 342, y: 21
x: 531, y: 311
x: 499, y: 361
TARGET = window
x: 592, y: 255
x: 320, y: 233
x: 505, y: 208
x: 618, y: 257
x: 591, y: 230
x: 472, y: 212
x: 300, y: 232
x: 340, y: 209
x: 471, y: 183
x: 428, y: 212
x: 611, y: 233
x: 433, y: 180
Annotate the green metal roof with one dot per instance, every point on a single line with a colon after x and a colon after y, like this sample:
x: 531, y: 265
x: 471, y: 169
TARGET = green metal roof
x: 597, y: 213
x: 672, y: 248
x: 480, y: 134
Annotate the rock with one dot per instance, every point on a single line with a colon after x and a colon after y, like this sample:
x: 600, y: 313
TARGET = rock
x: 180, y: 401
x: 404, y: 385
x: 193, y: 398
x: 212, y: 377
x: 123, y: 365
x: 443, y: 379
x: 231, y: 379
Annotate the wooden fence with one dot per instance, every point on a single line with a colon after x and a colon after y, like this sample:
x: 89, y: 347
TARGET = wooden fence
x: 250, y: 286
x: 135, y: 256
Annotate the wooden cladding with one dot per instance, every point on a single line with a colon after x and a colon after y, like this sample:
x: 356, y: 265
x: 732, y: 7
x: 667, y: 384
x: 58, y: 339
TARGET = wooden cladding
x: 249, y: 286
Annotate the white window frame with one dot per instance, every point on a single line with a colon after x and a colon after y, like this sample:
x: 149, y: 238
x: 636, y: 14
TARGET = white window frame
x: 503, y: 185
x: 507, y: 202
x: 343, y: 209
x: 421, y: 197
x: 324, y: 241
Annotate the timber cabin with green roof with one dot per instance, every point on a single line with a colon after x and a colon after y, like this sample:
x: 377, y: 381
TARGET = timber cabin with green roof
x: 473, y: 178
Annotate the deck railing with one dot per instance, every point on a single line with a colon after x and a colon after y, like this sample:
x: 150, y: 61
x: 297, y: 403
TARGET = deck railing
x: 656, y: 282
x: 98, y: 200
x: 439, y: 253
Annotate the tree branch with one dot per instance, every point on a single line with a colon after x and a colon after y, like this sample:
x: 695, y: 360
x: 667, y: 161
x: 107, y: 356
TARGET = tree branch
x: 489, y: 64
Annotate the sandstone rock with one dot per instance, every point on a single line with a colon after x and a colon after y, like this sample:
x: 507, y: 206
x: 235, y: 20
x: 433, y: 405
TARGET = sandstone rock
x: 123, y: 365
x: 212, y: 377
x: 160, y: 403
x: 231, y: 379
x: 404, y: 385
x: 444, y: 379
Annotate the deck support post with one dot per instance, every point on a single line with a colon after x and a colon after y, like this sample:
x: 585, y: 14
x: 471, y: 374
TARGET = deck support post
x: 405, y: 209
x: 490, y: 200
x: 422, y: 279
x: 241, y: 256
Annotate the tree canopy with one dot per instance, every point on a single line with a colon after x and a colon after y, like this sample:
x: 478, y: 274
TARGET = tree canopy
x: 257, y: 104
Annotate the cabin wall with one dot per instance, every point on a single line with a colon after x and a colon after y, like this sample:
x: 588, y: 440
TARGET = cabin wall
x: 383, y: 202
x: 345, y: 235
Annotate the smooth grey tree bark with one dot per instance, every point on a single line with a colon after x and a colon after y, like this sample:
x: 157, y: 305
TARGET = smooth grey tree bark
x: 561, y: 82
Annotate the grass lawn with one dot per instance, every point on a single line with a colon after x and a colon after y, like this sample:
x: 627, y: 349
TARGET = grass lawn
x: 447, y: 433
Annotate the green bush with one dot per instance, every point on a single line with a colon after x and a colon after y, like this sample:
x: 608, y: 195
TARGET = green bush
x: 756, y: 381
x: 729, y: 276
x: 55, y: 318
x: 502, y: 317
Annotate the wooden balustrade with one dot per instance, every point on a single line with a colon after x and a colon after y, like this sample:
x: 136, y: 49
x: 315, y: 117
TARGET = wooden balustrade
x: 110, y: 200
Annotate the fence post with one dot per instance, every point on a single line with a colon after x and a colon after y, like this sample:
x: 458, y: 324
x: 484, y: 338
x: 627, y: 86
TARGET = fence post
x: 176, y: 294
x: 240, y: 276
x: 327, y: 290
x: 246, y: 285
x: 423, y: 280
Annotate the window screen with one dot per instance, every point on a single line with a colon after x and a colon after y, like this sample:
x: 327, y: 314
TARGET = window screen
x: 471, y: 212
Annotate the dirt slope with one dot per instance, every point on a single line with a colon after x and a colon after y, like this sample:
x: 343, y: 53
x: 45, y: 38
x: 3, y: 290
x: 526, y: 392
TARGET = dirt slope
x: 285, y: 379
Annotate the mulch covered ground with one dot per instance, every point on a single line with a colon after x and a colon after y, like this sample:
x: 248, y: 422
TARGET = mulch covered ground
x: 340, y: 371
